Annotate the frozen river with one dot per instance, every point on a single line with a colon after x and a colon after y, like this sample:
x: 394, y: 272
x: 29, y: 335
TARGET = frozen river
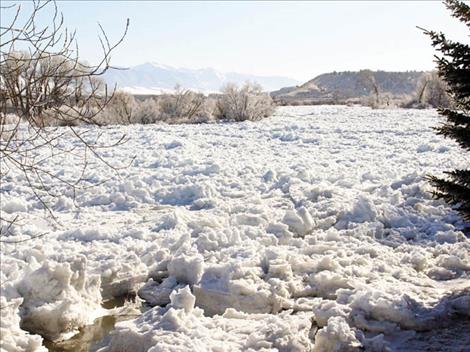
x: 310, y: 230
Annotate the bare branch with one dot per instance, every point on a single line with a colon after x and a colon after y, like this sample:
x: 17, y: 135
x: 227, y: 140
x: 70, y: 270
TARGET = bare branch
x: 47, y: 86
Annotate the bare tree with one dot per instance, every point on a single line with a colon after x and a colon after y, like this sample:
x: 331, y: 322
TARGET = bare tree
x: 43, y: 81
x: 431, y: 91
x: 368, y: 79
x: 421, y: 88
x: 434, y: 91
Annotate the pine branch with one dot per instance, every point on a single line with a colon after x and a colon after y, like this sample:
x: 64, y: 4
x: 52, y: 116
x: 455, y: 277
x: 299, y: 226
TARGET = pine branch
x: 460, y: 134
x: 461, y: 177
x: 453, y: 193
x: 459, y: 10
x: 455, y: 117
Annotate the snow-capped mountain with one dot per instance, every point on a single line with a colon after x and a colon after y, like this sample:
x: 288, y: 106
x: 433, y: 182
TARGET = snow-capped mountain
x: 154, y: 78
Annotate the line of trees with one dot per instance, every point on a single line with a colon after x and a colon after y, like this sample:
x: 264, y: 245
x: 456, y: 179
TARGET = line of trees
x: 234, y: 103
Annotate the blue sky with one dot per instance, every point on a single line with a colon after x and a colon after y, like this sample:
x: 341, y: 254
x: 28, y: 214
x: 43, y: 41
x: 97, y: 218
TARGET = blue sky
x: 295, y: 39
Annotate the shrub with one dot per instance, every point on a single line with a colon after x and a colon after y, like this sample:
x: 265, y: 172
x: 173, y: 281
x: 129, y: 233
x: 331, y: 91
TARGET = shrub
x: 119, y: 111
x: 246, y: 103
x: 147, y: 111
x: 184, y: 106
x: 124, y: 109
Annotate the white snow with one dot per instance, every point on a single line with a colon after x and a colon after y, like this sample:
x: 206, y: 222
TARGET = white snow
x: 186, y: 268
x: 183, y: 327
x: 336, y: 336
x: 13, y: 337
x: 314, y: 228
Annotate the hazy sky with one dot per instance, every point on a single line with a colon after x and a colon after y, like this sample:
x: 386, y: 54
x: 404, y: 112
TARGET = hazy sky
x: 295, y: 39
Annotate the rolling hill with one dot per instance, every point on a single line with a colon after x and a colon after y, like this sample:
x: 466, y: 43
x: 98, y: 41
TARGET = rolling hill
x: 338, y: 87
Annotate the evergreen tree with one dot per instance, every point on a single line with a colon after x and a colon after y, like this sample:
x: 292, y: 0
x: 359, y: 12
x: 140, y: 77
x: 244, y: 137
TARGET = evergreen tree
x: 454, y: 68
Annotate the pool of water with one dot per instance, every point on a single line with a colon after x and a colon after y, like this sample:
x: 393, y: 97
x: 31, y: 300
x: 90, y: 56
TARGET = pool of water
x: 92, y: 337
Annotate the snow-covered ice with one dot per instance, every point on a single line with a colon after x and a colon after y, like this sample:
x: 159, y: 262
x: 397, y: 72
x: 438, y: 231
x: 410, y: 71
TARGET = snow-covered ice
x: 181, y: 326
x: 314, y: 229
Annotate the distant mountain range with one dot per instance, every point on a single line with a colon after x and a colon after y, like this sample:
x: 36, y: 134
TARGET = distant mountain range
x: 154, y: 78
x: 338, y: 87
x: 328, y: 88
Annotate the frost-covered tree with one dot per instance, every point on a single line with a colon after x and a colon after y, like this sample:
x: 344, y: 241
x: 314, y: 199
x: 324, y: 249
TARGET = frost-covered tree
x: 454, y: 67
x: 432, y: 91
x: 246, y: 103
